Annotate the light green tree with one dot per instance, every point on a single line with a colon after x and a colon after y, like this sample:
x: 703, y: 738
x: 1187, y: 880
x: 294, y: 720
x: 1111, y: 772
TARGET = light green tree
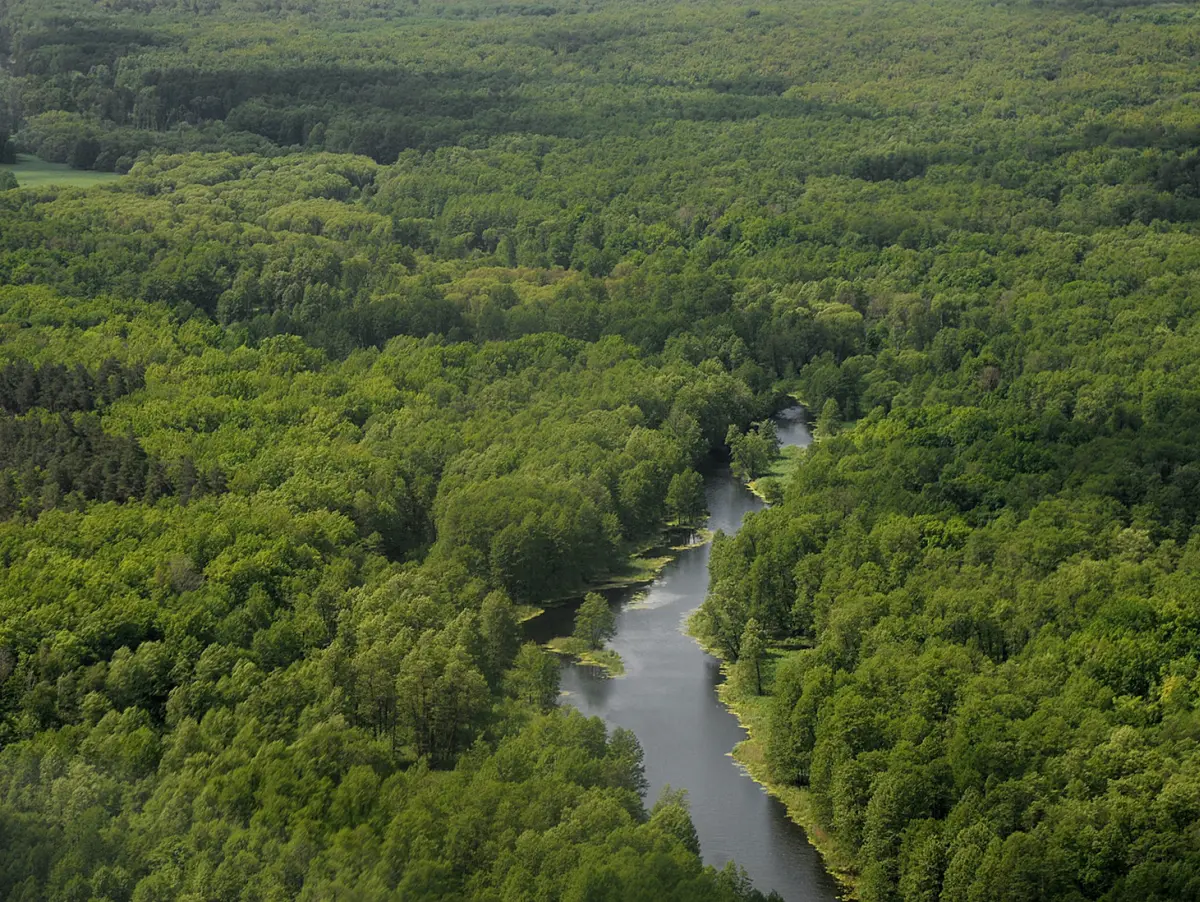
x: 595, y: 621
x: 534, y: 677
x: 829, y: 420
x: 672, y: 814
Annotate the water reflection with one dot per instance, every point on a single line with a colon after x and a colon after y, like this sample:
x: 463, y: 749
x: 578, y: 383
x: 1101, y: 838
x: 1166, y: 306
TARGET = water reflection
x: 667, y: 698
x: 792, y: 427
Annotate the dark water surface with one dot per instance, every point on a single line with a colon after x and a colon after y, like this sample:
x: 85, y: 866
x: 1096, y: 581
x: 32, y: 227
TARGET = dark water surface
x: 668, y: 698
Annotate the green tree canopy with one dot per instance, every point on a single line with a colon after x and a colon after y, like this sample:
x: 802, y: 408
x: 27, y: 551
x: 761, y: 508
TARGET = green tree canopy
x: 595, y: 621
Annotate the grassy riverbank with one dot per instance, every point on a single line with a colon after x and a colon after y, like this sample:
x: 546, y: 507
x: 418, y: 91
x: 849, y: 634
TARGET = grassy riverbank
x: 646, y: 561
x: 604, y: 658
x: 643, y: 566
x: 752, y: 712
x: 769, y: 486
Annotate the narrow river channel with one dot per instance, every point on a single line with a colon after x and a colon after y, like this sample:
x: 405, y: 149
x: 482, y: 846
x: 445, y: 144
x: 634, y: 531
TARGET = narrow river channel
x: 668, y: 698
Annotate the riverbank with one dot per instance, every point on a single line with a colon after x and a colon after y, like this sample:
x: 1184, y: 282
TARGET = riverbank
x: 604, y: 659
x: 644, y: 570
x: 667, y: 695
x: 768, y: 488
x: 751, y: 712
x: 795, y: 434
x: 642, y: 567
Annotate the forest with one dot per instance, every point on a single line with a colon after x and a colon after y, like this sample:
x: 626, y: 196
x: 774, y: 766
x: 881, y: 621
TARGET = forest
x: 405, y: 318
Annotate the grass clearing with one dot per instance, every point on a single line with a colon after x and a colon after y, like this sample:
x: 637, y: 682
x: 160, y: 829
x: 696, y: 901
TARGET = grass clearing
x: 34, y: 173
x: 769, y: 486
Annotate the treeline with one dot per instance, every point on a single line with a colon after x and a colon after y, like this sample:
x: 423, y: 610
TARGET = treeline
x: 349, y: 255
x: 1043, y: 102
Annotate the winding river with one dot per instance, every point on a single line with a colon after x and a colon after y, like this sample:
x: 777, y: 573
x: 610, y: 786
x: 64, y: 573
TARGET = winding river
x: 668, y: 698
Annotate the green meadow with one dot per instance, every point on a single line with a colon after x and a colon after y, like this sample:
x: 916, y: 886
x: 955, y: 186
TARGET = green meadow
x: 34, y: 173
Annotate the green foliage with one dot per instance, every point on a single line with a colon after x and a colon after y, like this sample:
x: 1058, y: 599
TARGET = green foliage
x: 441, y: 697
x: 686, y: 503
x: 752, y: 650
x: 300, y: 654
x: 752, y: 452
x: 595, y: 622
x: 990, y: 575
x: 534, y: 677
x: 829, y: 419
x: 670, y: 814
x: 448, y: 318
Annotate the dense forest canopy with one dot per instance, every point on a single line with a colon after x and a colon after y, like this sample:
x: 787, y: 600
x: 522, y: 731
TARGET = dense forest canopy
x: 407, y: 315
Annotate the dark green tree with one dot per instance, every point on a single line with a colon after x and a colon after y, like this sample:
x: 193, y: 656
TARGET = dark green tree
x: 752, y: 651
x: 686, y: 503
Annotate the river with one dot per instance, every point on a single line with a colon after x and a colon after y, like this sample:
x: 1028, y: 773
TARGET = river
x: 668, y: 698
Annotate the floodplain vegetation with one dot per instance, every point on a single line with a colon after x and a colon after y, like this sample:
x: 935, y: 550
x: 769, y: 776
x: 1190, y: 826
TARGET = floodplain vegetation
x: 400, y: 318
